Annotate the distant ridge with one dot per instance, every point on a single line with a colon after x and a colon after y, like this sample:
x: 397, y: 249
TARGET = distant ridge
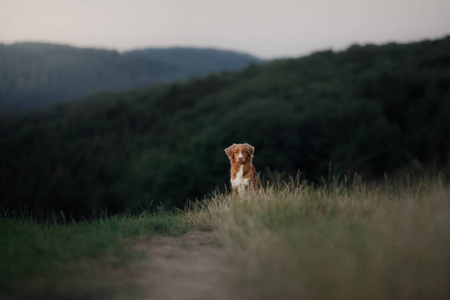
x: 34, y: 75
x: 197, y: 59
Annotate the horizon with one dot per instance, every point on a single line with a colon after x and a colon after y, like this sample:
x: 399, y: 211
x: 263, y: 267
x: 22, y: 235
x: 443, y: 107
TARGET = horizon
x: 268, y: 29
x: 218, y: 49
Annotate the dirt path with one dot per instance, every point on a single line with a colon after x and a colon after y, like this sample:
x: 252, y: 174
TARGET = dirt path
x: 193, y: 266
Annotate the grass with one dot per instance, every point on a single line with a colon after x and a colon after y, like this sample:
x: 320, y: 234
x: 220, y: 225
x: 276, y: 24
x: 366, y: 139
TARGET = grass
x: 291, y: 241
x: 386, y: 241
x: 46, y: 260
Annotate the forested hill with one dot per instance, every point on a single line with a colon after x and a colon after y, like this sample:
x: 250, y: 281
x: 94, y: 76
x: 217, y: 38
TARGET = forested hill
x: 33, y: 75
x: 369, y: 109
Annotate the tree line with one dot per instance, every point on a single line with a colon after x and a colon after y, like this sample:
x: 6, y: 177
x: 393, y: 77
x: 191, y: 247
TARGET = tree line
x: 370, y: 109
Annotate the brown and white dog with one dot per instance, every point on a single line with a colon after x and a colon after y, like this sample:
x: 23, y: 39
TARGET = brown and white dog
x: 243, y: 173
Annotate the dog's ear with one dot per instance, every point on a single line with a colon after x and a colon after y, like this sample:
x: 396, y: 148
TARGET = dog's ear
x: 250, y: 149
x: 229, y: 151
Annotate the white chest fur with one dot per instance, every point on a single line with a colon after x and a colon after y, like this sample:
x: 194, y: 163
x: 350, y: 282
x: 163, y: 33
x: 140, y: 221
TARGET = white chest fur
x: 240, y: 183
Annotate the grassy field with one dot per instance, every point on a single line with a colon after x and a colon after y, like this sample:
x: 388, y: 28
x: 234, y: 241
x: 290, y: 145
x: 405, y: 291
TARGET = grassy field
x: 43, y: 260
x: 349, y: 241
x: 295, y: 241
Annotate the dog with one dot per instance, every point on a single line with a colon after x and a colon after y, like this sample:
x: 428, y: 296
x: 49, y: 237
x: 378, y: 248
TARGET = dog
x: 243, y: 176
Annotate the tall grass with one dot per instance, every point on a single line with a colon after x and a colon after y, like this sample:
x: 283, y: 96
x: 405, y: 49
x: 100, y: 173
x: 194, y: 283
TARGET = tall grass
x: 43, y: 260
x: 338, y: 241
x: 291, y: 241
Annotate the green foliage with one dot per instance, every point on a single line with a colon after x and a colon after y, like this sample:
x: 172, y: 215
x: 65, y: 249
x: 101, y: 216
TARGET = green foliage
x: 33, y: 75
x: 369, y: 109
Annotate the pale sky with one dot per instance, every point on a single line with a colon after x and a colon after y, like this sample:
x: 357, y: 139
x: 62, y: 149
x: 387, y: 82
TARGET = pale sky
x: 266, y: 28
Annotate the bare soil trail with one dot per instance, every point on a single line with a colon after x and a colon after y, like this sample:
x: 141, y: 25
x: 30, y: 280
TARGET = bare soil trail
x: 193, y: 266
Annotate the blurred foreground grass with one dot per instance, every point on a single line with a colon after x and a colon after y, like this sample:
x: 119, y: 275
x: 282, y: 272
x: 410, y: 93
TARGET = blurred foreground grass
x: 43, y: 260
x: 349, y: 241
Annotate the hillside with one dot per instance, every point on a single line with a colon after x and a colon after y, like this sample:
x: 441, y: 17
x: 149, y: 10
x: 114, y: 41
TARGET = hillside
x: 369, y: 109
x: 33, y: 75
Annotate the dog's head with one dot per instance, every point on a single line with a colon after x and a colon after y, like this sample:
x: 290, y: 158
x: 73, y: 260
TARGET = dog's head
x: 240, y: 153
